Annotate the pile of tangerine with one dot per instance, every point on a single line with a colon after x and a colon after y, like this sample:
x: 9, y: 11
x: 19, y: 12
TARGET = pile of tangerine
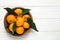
x: 21, y: 21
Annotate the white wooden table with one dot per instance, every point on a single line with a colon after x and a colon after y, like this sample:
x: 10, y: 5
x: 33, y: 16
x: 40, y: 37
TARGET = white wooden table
x: 46, y: 15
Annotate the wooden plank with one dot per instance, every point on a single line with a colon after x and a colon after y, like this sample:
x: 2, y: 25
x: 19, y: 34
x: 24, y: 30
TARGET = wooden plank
x: 30, y: 3
x: 40, y: 12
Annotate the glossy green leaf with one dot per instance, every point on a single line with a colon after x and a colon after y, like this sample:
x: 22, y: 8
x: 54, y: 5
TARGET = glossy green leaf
x: 25, y: 11
x: 29, y: 20
x: 9, y: 10
x: 32, y: 24
x: 14, y: 28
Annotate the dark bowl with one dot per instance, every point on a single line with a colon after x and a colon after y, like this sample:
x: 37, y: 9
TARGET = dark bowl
x: 6, y: 24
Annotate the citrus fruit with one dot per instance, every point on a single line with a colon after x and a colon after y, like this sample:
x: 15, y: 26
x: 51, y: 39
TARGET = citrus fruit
x: 26, y: 25
x: 11, y: 18
x: 10, y: 27
x: 19, y: 21
x: 18, y: 11
x: 26, y: 16
x: 19, y: 30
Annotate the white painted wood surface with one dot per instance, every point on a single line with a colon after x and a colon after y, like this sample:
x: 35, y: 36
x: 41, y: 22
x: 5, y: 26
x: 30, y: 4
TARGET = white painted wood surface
x: 46, y: 15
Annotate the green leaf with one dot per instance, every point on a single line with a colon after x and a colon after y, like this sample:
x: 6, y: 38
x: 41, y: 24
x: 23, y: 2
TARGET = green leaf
x: 29, y: 20
x: 9, y: 10
x: 25, y: 11
x: 32, y: 24
x: 14, y: 28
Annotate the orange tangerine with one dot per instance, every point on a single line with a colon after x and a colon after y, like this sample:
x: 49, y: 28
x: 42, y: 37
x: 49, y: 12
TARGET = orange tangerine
x: 19, y: 21
x: 11, y: 18
x: 19, y: 30
x: 10, y: 27
x: 26, y: 16
x: 26, y: 25
x: 18, y: 11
